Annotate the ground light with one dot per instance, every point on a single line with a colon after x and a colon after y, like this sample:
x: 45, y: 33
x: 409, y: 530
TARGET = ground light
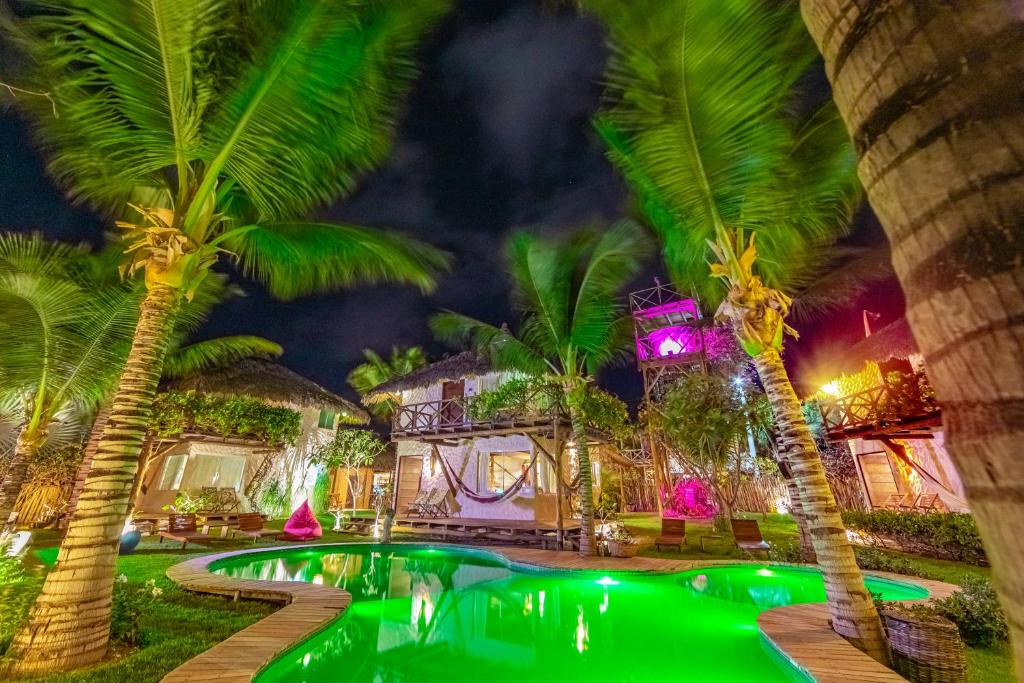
x: 606, y: 581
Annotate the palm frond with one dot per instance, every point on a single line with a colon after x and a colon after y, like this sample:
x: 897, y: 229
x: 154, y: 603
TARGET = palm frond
x: 300, y: 258
x: 841, y: 276
x: 127, y: 89
x: 314, y: 107
x: 540, y: 279
x: 699, y: 119
x: 506, y: 351
x: 217, y: 353
x: 610, y: 262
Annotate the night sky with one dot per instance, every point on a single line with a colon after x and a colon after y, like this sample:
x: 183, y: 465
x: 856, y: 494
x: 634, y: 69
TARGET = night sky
x: 496, y: 136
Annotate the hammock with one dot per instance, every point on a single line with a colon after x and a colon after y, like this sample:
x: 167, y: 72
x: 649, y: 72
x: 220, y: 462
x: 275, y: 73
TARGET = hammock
x: 950, y: 498
x: 455, y: 483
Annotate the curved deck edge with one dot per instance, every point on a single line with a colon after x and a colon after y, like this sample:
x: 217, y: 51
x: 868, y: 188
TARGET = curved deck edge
x: 800, y: 633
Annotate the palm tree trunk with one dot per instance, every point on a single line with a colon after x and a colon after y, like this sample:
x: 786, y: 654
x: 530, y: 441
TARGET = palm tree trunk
x: 69, y: 625
x: 853, y: 612
x: 17, y: 473
x: 588, y: 544
x: 91, y: 446
x: 928, y: 92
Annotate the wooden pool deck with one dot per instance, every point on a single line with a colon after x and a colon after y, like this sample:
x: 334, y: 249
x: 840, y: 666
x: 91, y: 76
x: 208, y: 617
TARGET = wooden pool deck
x: 801, y: 633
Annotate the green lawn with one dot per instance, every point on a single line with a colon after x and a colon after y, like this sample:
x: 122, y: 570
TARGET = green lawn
x: 181, y: 624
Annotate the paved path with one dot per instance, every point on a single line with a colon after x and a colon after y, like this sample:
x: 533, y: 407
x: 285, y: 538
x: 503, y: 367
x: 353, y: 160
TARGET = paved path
x: 801, y: 632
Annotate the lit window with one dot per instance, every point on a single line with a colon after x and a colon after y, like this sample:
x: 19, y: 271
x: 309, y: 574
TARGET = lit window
x: 503, y: 469
x: 174, y: 467
x: 327, y: 418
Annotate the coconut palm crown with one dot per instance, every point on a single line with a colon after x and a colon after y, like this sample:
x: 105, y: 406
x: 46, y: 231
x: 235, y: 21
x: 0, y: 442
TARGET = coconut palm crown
x: 731, y: 163
x: 206, y: 129
x: 567, y: 292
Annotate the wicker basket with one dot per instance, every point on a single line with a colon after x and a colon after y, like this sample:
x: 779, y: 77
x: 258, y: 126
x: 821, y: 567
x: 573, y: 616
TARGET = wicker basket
x: 925, y: 648
x: 620, y: 549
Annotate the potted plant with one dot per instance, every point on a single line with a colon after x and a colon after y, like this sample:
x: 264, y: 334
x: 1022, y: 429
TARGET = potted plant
x: 621, y: 543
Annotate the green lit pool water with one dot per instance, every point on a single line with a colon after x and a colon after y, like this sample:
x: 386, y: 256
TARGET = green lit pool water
x: 423, y: 614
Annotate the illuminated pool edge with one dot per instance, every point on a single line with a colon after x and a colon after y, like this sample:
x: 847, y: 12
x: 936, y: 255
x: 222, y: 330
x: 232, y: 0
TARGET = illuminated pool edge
x: 202, y: 568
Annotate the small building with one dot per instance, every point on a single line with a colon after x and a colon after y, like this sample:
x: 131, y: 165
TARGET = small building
x: 506, y: 467
x: 193, y: 461
x: 881, y: 403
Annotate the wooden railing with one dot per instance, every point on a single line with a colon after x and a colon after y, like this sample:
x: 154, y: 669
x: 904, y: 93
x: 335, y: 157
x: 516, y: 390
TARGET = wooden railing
x: 874, y: 408
x: 456, y: 414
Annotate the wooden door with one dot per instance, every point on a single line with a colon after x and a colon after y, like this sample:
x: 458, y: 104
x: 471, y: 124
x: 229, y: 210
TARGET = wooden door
x: 452, y: 411
x: 410, y: 467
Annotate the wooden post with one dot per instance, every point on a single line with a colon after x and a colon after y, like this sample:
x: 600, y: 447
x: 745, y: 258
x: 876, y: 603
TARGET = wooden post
x: 559, y: 521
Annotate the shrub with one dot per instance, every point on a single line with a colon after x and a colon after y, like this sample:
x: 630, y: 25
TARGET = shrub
x: 320, y: 497
x: 881, y: 561
x: 273, y: 501
x: 789, y: 553
x: 976, y: 612
x: 950, y: 535
x: 240, y: 416
x: 130, y: 602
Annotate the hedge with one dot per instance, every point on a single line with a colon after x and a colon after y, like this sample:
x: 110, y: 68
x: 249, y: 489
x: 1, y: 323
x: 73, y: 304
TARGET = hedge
x: 947, y: 535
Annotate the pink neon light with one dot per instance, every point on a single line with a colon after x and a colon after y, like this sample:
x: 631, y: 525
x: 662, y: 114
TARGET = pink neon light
x: 681, y: 306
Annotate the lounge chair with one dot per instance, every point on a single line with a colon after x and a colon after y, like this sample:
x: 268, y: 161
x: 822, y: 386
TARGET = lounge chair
x: 927, y: 502
x: 251, y: 524
x: 892, y: 502
x: 182, y: 528
x: 747, y: 535
x: 673, y: 533
x: 416, y: 507
x: 909, y: 502
x: 436, y: 504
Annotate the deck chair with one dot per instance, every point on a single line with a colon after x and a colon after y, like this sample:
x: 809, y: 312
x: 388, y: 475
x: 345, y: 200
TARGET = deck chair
x: 673, y: 534
x: 892, y: 502
x: 908, y: 502
x: 747, y: 535
x: 437, y: 503
x: 182, y: 528
x: 418, y: 503
x: 927, y: 502
x: 251, y: 524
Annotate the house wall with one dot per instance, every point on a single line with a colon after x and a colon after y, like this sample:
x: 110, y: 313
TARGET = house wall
x: 152, y: 496
x: 929, y: 454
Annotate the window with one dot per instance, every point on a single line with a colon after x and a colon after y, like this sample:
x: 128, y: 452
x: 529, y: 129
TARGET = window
x: 503, y: 469
x: 327, y: 418
x: 174, y: 467
x: 221, y: 471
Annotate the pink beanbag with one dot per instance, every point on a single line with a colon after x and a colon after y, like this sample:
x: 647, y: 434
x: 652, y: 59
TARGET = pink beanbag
x: 302, y: 525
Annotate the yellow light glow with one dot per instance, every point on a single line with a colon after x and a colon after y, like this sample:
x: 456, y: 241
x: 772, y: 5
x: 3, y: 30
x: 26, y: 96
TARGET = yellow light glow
x: 832, y: 388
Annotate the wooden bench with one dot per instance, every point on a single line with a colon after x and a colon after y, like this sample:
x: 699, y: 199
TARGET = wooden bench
x: 182, y: 528
x: 673, y: 533
x: 251, y: 524
x: 747, y: 535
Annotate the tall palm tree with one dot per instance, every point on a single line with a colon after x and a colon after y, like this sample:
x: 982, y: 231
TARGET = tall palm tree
x: 221, y: 125
x: 567, y: 292
x: 705, y: 121
x: 936, y: 123
x: 377, y: 370
x: 67, y: 322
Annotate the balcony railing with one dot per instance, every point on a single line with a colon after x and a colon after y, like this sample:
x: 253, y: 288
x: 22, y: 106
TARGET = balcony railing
x: 456, y: 415
x: 879, y: 410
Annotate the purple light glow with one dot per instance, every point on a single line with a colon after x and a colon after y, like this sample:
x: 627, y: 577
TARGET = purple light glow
x: 681, y: 306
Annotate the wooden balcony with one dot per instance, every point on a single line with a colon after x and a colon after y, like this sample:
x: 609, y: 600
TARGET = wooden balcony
x: 451, y: 418
x: 879, y: 412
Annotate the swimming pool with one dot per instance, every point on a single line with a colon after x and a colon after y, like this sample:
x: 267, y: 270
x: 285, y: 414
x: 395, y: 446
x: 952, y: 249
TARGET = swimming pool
x: 422, y: 614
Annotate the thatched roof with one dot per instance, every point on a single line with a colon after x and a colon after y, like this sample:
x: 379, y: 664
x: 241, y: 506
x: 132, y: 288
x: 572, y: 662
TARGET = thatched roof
x: 895, y: 340
x: 465, y: 364
x: 266, y: 380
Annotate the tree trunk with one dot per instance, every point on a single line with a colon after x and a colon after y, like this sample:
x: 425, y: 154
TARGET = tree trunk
x: 69, y: 625
x: 91, y: 446
x: 853, y: 612
x: 588, y: 545
x: 931, y: 95
x: 17, y: 473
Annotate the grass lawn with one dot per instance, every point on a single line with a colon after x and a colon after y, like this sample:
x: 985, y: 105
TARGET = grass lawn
x: 181, y: 624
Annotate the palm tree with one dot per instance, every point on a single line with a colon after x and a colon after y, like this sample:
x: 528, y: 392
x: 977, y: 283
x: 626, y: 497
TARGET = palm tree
x: 705, y: 121
x: 67, y: 321
x: 367, y: 376
x: 934, y: 123
x: 221, y: 125
x: 567, y: 292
